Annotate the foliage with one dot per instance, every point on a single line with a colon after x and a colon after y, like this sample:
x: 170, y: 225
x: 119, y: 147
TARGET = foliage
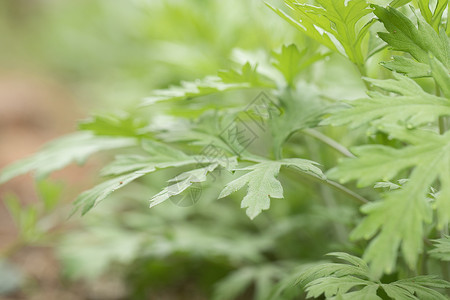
x: 264, y: 129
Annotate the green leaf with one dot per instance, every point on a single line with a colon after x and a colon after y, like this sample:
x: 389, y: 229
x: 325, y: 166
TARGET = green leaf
x: 441, y: 249
x: 408, y: 66
x: 123, y: 124
x: 335, y: 18
x: 299, y: 110
x: 307, y: 27
x: 290, y: 61
x: 398, y: 220
x: 56, y: 155
x: 182, y: 182
x: 263, y: 185
x: 50, y: 193
x: 420, y: 286
x: 228, y: 80
x: 405, y: 36
x: 235, y: 284
x: 247, y: 75
x: 128, y: 168
x: 442, y: 76
x: 412, y: 107
x: 335, y: 280
x: 420, y: 42
x: 398, y: 3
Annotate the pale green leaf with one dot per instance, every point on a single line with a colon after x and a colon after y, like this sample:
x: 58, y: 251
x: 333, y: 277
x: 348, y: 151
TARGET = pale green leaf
x: 56, y: 155
x: 334, y: 20
x: 398, y: 220
x: 263, y: 185
x: 412, y: 107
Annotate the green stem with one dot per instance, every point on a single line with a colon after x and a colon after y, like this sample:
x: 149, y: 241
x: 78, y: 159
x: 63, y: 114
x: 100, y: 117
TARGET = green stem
x: 445, y: 264
x: 334, y: 185
x: 329, y: 141
x: 442, y: 125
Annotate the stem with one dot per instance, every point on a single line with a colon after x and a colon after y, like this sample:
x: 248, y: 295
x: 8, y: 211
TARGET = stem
x: 363, y: 73
x: 442, y: 124
x: 336, y: 186
x: 340, y: 188
x: 327, y: 195
x: 444, y: 264
x: 442, y: 119
x: 329, y: 141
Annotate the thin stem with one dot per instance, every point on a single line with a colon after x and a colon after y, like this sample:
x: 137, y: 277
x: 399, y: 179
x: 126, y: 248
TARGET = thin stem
x: 444, y: 264
x: 329, y: 141
x: 351, y: 194
x: 442, y: 125
x: 442, y: 119
x: 327, y: 195
x: 336, y: 186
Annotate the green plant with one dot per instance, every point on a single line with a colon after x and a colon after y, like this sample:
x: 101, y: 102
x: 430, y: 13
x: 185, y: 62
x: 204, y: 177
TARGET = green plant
x: 278, y: 119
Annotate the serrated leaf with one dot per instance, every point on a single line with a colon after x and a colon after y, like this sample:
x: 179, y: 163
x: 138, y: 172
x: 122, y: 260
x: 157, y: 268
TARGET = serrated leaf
x: 341, y: 281
x: 247, y: 75
x: 367, y: 293
x: 128, y: 168
x: 235, y: 284
x: 331, y: 286
x: 420, y: 286
x: 420, y: 41
x: 290, y: 61
x: 263, y: 185
x: 412, y: 107
x: 334, y: 18
x: 405, y: 36
x: 183, y: 182
x: 57, y: 154
x: 299, y: 110
x: 123, y: 124
x: 442, y: 76
x: 128, y: 172
x: 407, y: 66
x: 441, y: 249
x: 398, y: 220
x: 228, y: 80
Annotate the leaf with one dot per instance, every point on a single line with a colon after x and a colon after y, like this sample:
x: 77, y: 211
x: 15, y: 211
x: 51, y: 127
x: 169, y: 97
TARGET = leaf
x: 122, y: 124
x: 420, y: 286
x: 334, y: 20
x: 50, y: 193
x: 299, y: 110
x: 182, y: 182
x: 420, y: 42
x: 442, y: 76
x: 228, y: 80
x: 412, y: 107
x: 128, y: 168
x: 290, y: 61
x: 405, y: 36
x: 407, y: 66
x: 57, y: 154
x: 263, y: 185
x: 247, y: 75
x: 398, y: 220
x: 441, y: 249
x: 398, y: 3
x: 335, y: 280
x: 238, y: 282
